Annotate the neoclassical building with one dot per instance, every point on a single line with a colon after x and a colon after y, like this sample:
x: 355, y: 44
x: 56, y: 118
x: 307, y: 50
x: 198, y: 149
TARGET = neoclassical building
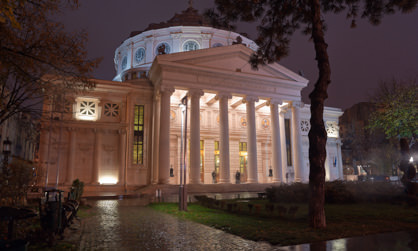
x: 127, y: 132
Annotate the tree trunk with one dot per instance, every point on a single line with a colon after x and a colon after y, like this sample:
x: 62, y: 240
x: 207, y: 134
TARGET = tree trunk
x: 317, y: 133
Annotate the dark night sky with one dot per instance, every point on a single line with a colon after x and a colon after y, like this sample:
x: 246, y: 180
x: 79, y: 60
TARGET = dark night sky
x: 360, y: 58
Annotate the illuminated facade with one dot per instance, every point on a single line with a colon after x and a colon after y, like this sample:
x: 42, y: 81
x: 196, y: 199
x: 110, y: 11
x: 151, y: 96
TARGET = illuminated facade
x: 244, y: 125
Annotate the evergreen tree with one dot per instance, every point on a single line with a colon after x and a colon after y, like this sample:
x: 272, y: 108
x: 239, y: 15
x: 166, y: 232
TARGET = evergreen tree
x: 278, y: 20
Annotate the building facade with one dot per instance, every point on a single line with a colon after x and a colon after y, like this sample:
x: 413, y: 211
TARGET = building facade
x: 244, y: 125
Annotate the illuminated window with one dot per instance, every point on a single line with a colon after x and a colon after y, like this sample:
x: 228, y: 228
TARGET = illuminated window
x: 242, y: 146
x: 138, y: 147
x: 288, y: 143
x: 243, y: 161
x: 87, y: 109
x: 190, y: 46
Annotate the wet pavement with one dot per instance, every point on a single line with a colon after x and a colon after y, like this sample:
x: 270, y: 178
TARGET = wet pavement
x: 129, y: 225
x: 125, y: 225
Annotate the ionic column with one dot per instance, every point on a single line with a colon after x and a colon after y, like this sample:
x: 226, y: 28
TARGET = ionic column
x: 283, y: 151
x: 97, y: 155
x: 224, y: 173
x: 72, y: 133
x: 164, y: 145
x: 252, y: 140
x: 300, y: 170
x: 195, y: 136
x: 276, y: 149
x: 122, y: 156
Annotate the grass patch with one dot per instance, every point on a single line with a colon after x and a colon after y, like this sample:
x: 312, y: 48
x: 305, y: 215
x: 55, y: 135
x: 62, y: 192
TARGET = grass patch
x: 345, y: 220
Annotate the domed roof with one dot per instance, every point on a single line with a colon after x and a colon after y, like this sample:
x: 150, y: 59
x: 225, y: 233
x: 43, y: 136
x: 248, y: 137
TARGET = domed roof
x: 188, y: 17
x: 184, y: 32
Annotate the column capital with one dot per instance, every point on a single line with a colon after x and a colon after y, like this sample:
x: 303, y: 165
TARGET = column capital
x: 195, y: 92
x: 297, y: 104
x: 223, y: 95
x: 166, y: 89
x: 284, y: 108
x: 250, y: 99
x: 274, y: 101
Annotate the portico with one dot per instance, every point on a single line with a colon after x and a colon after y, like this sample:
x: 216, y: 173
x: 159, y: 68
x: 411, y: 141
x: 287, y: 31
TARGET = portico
x: 228, y: 106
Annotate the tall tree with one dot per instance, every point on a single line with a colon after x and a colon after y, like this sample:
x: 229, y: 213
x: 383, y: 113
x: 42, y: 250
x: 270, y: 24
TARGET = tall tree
x: 35, y: 53
x: 278, y: 20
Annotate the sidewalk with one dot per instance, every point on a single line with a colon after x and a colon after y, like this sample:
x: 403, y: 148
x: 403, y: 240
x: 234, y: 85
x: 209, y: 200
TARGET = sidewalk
x: 128, y: 225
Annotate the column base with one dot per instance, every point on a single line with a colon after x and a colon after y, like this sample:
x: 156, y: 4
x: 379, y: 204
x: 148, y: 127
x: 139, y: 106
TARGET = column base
x: 250, y: 181
x: 224, y: 181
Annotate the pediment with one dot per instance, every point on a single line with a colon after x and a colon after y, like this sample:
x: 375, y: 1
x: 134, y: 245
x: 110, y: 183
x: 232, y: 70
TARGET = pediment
x: 228, y: 59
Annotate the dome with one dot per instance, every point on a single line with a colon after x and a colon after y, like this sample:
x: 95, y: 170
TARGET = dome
x: 186, y: 31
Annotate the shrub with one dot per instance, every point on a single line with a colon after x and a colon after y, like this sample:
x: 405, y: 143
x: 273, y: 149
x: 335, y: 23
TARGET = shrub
x: 13, y: 192
x: 77, y: 189
x: 375, y: 191
x: 338, y: 192
x: 294, y: 193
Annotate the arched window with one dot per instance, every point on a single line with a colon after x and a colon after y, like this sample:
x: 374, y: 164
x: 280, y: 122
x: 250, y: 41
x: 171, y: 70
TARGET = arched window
x: 140, y: 55
x: 159, y: 49
x: 191, y: 45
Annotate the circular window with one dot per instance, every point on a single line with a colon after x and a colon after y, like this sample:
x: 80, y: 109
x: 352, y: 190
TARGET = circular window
x: 124, y: 62
x: 190, y: 46
x: 139, y: 55
x: 162, y: 48
x: 217, y: 45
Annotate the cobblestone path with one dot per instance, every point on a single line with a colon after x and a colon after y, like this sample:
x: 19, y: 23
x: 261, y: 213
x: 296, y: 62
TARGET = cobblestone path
x: 127, y: 225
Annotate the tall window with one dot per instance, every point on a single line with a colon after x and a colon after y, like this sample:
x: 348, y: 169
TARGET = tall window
x: 243, y: 161
x: 288, y: 143
x: 138, y: 151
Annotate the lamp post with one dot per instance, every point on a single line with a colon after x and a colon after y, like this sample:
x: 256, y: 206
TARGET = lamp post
x: 6, y: 152
x: 183, y: 147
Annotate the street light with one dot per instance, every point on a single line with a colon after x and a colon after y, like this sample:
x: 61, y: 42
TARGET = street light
x: 7, y: 145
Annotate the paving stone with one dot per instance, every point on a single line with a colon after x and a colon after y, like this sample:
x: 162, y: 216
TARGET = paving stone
x: 126, y: 225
